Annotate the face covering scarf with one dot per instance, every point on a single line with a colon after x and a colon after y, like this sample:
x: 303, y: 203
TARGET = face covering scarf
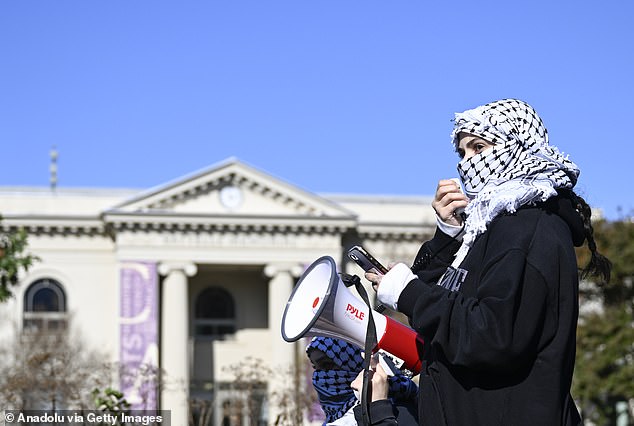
x: 520, y: 169
x: 338, y: 364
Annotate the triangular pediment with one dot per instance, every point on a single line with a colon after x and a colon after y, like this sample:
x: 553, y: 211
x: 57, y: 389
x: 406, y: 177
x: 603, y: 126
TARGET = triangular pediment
x: 231, y: 188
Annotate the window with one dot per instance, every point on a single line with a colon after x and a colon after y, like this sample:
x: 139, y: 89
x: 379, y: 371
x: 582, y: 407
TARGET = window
x: 45, y: 306
x: 214, y: 313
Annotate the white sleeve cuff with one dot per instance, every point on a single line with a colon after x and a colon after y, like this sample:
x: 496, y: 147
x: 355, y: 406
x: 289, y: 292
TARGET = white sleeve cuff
x: 451, y: 230
x: 393, y: 283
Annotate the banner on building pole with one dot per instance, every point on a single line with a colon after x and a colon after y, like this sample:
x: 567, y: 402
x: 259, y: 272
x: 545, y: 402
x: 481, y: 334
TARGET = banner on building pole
x: 138, y: 334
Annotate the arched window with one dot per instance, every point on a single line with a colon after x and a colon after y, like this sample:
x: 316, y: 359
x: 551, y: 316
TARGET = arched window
x: 214, y: 314
x: 45, y: 306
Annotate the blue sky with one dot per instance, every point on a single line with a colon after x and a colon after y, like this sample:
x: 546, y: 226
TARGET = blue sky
x: 332, y: 96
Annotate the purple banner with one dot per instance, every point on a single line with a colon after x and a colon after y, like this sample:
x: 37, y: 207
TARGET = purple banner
x: 138, y: 334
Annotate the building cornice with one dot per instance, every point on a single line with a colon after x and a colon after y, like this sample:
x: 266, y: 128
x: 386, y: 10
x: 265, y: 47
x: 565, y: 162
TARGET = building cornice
x: 62, y: 224
x: 401, y: 231
x: 159, y: 221
x: 113, y: 222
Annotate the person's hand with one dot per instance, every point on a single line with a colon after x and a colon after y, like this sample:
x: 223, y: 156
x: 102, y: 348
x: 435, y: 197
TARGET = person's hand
x: 447, y: 200
x: 378, y: 381
x: 375, y: 279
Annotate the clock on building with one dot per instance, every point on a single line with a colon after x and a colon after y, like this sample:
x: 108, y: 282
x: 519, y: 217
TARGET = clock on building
x: 231, y: 197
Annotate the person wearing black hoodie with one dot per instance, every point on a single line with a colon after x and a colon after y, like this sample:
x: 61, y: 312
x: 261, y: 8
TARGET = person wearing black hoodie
x: 494, y: 293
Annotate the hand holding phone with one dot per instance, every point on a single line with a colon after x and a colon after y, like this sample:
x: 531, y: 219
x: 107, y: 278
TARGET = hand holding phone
x: 460, y: 210
x: 369, y: 264
x: 366, y: 260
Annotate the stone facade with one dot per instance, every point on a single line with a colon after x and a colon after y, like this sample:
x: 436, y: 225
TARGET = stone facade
x: 230, y: 237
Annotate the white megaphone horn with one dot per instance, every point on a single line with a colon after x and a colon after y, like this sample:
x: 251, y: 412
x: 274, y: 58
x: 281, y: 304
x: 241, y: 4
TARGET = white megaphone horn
x: 321, y: 305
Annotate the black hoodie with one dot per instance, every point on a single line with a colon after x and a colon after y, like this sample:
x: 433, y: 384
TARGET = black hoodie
x: 500, y: 349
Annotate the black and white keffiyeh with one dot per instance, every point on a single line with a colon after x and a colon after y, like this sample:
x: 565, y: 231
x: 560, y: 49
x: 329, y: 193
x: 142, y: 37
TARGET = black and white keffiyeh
x: 520, y: 169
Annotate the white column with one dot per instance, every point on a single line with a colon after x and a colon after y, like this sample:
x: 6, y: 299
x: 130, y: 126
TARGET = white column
x: 283, y: 277
x: 174, y: 338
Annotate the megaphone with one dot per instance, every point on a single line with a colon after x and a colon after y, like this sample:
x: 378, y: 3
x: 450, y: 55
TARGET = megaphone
x: 321, y: 305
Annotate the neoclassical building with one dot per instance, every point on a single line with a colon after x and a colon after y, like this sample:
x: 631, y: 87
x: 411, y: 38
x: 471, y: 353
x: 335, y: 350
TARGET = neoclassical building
x: 192, y: 275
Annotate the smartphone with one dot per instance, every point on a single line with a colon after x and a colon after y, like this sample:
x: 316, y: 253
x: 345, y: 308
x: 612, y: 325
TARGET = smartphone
x: 388, y: 363
x: 366, y: 261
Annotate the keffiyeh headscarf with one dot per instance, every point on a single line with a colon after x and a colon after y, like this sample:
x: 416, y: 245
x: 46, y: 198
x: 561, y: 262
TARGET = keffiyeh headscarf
x: 520, y: 169
x: 343, y: 362
x: 333, y: 384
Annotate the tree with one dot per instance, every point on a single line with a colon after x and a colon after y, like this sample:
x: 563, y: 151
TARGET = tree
x: 50, y: 371
x: 13, y: 259
x: 605, y: 363
x: 201, y: 411
x: 605, y: 337
x: 248, y: 389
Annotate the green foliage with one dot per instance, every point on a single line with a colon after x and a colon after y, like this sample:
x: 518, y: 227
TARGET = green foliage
x: 605, y: 339
x: 110, y: 401
x: 13, y: 260
x: 605, y: 362
x: 616, y: 241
